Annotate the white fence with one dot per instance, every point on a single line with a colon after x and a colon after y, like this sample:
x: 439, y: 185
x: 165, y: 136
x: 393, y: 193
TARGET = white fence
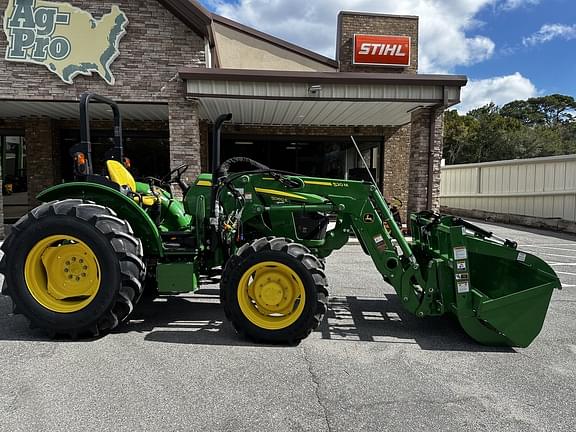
x: 541, y: 187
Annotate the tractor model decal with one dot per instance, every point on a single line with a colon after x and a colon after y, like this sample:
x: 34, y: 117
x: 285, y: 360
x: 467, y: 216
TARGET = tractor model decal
x: 280, y: 193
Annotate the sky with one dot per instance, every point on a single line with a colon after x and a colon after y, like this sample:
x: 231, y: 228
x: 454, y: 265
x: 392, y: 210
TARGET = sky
x: 509, y: 49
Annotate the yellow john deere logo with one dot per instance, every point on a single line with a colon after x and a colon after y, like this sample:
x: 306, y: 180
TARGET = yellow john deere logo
x: 64, y: 38
x: 368, y: 218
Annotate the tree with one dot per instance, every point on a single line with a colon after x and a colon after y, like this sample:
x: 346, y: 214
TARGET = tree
x: 557, y: 109
x: 523, y: 111
x: 458, y: 136
x: 493, y: 137
x: 542, y: 126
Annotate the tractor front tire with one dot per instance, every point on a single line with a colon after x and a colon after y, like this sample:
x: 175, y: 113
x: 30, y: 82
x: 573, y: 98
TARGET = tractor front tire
x: 73, y: 268
x: 274, y: 291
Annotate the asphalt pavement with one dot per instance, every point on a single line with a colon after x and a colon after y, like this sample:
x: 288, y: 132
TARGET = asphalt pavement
x: 179, y: 366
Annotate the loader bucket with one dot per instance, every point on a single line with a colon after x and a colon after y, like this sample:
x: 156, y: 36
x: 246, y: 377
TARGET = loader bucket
x: 499, y: 295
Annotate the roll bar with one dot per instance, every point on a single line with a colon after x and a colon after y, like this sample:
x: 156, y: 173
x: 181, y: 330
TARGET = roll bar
x: 85, y: 145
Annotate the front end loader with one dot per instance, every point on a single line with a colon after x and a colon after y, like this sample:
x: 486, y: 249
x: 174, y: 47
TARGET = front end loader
x: 79, y: 263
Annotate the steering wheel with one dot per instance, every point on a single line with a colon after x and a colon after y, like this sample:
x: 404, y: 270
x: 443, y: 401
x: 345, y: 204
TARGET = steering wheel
x: 176, y: 176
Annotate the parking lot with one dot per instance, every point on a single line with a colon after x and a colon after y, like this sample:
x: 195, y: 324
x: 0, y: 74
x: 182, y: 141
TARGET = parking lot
x: 179, y: 366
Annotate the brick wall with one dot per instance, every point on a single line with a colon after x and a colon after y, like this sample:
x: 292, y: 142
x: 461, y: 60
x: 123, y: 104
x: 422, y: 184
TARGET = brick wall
x: 350, y: 23
x: 205, y: 128
x: 420, y: 152
x: 185, y: 138
x: 396, y: 161
x: 437, y: 151
x: 41, y: 154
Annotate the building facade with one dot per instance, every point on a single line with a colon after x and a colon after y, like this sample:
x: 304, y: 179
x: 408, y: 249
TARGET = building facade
x: 174, y: 67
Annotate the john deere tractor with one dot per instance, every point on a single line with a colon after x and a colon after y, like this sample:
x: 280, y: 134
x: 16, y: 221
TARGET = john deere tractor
x: 78, y: 264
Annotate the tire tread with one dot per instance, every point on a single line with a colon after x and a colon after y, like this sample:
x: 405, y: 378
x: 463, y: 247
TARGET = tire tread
x: 296, y: 251
x: 126, y: 246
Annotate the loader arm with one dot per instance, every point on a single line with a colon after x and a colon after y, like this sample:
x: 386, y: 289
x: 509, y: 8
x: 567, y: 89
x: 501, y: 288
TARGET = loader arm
x: 359, y: 208
x: 368, y: 215
x: 499, y: 295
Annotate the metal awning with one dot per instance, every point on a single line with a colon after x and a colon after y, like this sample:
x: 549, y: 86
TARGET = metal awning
x: 318, y: 98
x: 10, y: 109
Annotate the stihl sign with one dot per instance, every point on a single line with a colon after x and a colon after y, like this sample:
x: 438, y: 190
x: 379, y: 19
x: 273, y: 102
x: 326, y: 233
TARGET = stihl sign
x: 381, y: 50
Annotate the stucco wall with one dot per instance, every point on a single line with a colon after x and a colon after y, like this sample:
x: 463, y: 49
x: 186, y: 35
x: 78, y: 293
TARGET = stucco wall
x: 238, y: 50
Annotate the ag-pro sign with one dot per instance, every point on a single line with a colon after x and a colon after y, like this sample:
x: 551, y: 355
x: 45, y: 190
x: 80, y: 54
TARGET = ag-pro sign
x: 64, y: 38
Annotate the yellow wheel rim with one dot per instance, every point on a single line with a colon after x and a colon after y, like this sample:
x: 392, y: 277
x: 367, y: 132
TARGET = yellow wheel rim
x: 62, y: 274
x: 271, y: 295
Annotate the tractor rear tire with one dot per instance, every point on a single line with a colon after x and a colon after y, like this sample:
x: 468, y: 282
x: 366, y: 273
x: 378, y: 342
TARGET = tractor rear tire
x: 73, y: 268
x: 274, y: 291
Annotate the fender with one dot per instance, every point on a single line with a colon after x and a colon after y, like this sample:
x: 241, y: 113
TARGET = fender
x: 143, y: 226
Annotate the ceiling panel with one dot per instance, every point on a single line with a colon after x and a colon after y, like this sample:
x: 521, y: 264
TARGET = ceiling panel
x: 313, y: 113
x: 70, y: 110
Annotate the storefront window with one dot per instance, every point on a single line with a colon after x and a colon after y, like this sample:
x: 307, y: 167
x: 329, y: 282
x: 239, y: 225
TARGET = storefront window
x: 14, y: 180
x: 149, y: 152
x: 370, y: 151
x: 332, y: 157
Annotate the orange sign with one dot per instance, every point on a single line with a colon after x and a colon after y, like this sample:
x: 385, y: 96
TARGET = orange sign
x: 381, y: 50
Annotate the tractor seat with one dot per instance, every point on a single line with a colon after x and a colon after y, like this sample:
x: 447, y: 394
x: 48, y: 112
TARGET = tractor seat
x: 121, y: 176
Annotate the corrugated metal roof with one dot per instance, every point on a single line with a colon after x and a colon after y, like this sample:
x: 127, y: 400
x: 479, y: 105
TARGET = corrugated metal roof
x: 368, y: 92
x: 318, y: 99
x: 318, y: 113
x: 70, y: 110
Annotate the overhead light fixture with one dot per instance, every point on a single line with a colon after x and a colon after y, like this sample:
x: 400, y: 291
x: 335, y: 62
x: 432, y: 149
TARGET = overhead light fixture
x: 314, y: 90
x: 244, y: 143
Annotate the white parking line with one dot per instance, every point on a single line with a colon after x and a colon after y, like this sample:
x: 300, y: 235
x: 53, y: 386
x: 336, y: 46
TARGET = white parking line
x: 556, y: 255
x: 564, y: 273
x: 548, y: 247
x: 568, y: 286
x: 563, y: 264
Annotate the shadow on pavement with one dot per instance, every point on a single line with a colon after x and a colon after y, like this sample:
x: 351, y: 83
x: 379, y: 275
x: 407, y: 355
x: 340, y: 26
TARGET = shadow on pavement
x: 199, y: 319
x: 385, y: 320
x: 16, y: 327
x: 187, y: 320
x: 184, y: 320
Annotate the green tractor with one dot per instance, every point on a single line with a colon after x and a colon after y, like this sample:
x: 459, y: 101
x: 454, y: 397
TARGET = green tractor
x: 78, y: 264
